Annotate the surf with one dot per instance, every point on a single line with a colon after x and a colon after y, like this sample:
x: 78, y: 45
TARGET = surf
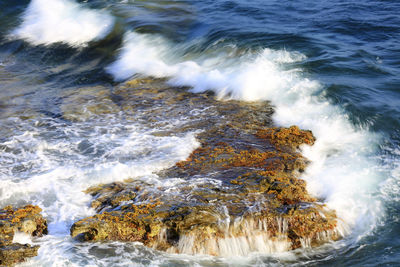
x: 62, y: 21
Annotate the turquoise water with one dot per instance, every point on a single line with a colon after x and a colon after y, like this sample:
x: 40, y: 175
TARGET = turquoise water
x: 331, y: 66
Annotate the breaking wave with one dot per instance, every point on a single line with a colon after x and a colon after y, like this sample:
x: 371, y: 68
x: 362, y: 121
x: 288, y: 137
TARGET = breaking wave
x: 47, y: 22
x: 342, y: 172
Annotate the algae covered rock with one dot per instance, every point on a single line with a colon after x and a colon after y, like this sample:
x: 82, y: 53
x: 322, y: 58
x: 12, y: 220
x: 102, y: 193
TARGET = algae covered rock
x: 239, y: 192
x: 27, y: 220
x: 16, y: 253
x: 251, y: 200
x: 84, y: 103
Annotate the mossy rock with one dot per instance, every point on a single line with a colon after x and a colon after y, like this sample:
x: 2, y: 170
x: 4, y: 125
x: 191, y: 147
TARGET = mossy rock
x: 88, y: 102
x: 239, y: 192
x: 16, y: 253
x: 27, y: 220
x: 254, y: 187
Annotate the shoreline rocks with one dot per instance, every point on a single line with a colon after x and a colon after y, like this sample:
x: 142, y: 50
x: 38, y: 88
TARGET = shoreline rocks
x: 250, y: 201
x: 27, y: 220
x: 238, y: 193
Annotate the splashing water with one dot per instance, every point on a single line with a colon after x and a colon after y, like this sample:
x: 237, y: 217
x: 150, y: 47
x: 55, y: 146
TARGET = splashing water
x: 52, y: 169
x: 341, y: 173
x: 48, y: 22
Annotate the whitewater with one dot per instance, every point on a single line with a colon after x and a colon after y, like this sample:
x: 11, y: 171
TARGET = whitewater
x: 347, y: 170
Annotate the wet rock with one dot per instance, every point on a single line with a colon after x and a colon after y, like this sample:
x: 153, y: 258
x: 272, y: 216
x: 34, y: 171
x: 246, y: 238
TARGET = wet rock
x: 16, y: 253
x: 177, y: 110
x: 248, y: 194
x: 290, y: 138
x: 238, y: 193
x: 26, y: 220
x: 87, y: 102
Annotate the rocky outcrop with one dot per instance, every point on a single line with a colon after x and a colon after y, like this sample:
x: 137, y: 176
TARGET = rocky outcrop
x: 25, y: 220
x: 238, y: 193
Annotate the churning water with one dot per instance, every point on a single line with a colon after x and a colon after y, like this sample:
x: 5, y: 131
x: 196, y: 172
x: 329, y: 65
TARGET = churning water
x: 331, y: 67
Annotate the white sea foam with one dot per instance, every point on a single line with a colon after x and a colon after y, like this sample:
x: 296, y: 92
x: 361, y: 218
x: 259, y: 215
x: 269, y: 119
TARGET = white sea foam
x: 342, y: 171
x: 22, y: 238
x: 47, y: 22
x: 60, y: 171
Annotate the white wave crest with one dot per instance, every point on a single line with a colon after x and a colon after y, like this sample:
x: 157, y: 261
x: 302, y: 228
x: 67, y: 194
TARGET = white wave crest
x: 342, y: 171
x: 47, y: 22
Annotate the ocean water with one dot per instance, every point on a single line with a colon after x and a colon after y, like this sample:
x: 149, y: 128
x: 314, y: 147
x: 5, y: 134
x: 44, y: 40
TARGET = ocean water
x: 329, y: 66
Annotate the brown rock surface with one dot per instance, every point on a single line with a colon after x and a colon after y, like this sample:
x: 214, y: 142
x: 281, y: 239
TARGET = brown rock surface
x: 27, y: 220
x: 239, y: 192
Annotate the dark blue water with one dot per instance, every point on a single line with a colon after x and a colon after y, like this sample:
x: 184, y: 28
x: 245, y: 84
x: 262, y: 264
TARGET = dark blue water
x: 350, y: 48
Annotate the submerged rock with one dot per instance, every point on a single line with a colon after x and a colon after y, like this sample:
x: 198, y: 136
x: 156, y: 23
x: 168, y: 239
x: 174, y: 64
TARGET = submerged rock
x: 238, y: 193
x: 88, y: 102
x: 25, y: 220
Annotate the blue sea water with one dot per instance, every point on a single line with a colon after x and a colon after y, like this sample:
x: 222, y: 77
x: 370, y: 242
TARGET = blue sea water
x: 330, y: 66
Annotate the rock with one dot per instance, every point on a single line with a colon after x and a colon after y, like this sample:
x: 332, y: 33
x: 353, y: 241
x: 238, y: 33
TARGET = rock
x: 238, y: 193
x: 153, y: 102
x: 291, y: 137
x: 27, y: 220
x: 87, y: 102
x: 16, y: 253
x: 257, y: 197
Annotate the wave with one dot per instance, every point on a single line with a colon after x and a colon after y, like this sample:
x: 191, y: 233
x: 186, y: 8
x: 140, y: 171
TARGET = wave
x: 47, y: 22
x: 342, y: 172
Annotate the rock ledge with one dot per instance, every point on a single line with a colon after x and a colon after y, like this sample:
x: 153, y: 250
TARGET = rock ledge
x: 26, y: 220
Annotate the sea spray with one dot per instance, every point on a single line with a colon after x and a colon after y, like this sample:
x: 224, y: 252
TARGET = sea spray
x: 56, y: 183
x: 342, y: 172
x: 47, y: 22
x: 228, y: 199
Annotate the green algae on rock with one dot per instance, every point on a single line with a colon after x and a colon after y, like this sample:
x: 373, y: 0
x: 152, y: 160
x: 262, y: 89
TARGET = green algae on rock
x: 238, y: 193
x: 27, y: 220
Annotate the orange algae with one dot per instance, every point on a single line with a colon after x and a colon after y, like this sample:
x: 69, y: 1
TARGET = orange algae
x: 26, y: 219
x: 291, y: 137
x: 270, y: 175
